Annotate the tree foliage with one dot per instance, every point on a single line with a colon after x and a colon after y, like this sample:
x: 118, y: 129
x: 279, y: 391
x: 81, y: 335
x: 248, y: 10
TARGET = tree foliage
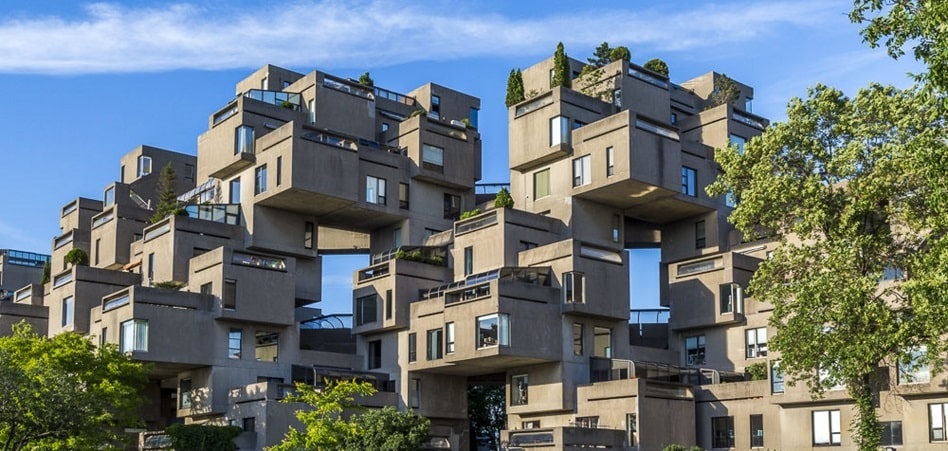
x: 336, y: 422
x: 77, y: 257
x: 561, y: 72
x: 486, y: 408
x: 851, y: 189
x: 203, y: 437
x: 167, y: 197
x: 366, y: 80
x: 514, y: 88
x: 657, y: 65
x: 725, y: 91
x: 604, y: 55
x: 919, y: 23
x: 620, y: 53
x: 63, y: 393
x: 503, y: 199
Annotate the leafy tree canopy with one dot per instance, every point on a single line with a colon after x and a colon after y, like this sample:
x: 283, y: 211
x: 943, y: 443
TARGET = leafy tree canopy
x: 604, y: 55
x: 203, y: 437
x: 725, y: 91
x: 366, y: 80
x: 77, y: 257
x: 503, y: 199
x: 63, y: 393
x: 851, y: 189
x: 486, y: 409
x: 388, y: 429
x: 561, y: 72
x: 656, y: 65
x: 167, y: 197
x: 514, y: 88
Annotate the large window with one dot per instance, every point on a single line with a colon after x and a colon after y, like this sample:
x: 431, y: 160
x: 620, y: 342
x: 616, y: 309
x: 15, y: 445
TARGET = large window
x: 689, y: 183
x: 826, y: 427
x: 493, y: 330
x: 432, y: 157
x: 582, y: 171
x: 260, y: 180
x: 776, y: 377
x: 468, y: 260
x: 937, y: 421
x: 602, y: 342
x: 233, y: 343
x: 577, y: 338
x: 915, y: 370
x: 732, y: 298
x: 375, y: 354
x: 541, y: 183
x: 756, y: 342
x: 366, y: 309
x: 374, y: 190
x: 435, y: 345
x: 134, y: 335
x: 69, y: 311
x: 559, y: 130
x: 452, y: 206
x: 412, y: 347
x: 891, y: 433
x: 519, y: 387
x: 574, y: 288
x: 235, y: 191
x: 449, y: 337
x: 694, y: 350
x: 757, y: 430
x: 144, y: 165
x: 722, y: 432
x: 267, y: 346
x: 243, y: 139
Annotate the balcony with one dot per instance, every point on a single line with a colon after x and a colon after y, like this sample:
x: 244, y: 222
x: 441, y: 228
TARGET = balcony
x: 288, y: 100
x: 219, y: 213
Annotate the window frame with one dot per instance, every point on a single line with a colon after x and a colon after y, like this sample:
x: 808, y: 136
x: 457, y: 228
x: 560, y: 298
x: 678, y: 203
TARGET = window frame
x: 362, y: 310
x: 68, y: 311
x: 520, y: 383
x: 144, y: 165
x: 412, y: 347
x: 502, y: 335
x: 833, y: 427
x: 434, y: 344
x: 942, y: 417
x: 754, y: 349
x: 133, y: 335
x: 260, y: 179
x: 610, y: 161
x: 701, y: 235
x: 559, y: 130
x: 541, y: 179
x: 376, y: 185
x: 573, y: 282
x: 689, y: 181
x: 234, y: 353
x: 244, y: 139
x: 432, y: 158
x: 582, y: 171
x: 756, y: 437
x: 696, y: 355
x: 722, y: 432
x: 578, y: 334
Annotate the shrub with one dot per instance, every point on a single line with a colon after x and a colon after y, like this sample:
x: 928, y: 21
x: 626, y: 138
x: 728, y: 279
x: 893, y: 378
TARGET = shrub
x: 169, y: 285
x: 757, y: 371
x: 470, y: 213
x: 77, y: 257
x: 503, y: 199
x: 561, y: 74
x: 656, y: 65
x: 366, y: 80
x: 514, y: 88
x: 203, y: 437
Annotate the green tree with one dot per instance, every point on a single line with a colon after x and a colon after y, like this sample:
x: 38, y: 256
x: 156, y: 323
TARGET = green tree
x: 851, y: 190
x: 918, y: 22
x: 503, y: 199
x: 514, y: 88
x: 388, y: 429
x: 47, y: 273
x: 561, y: 72
x: 486, y: 409
x: 203, y: 437
x: 366, y: 80
x: 725, y: 91
x: 64, y: 393
x: 601, y: 56
x: 620, y: 53
x: 657, y: 65
x: 77, y: 257
x: 167, y: 197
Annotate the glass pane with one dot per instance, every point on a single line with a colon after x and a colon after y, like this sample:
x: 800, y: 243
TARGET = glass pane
x: 821, y: 427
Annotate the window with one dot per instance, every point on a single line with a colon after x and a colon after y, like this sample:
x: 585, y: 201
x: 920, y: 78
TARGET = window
x: 610, y: 161
x: 134, y: 335
x: 144, y: 165
x: 630, y: 427
x: 235, y: 191
x: 722, y: 432
x: 937, y: 421
x: 96, y: 252
x: 432, y: 157
x: 689, y: 181
x: 312, y: 111
x: 403, y: 196
x: 279, y: 170
x: 700, y: 240
x: 260, y: 180
x: 582, y: 174
x: 739, y: 142
x: 602, y: 342
x: 541, y: 183
x: 452, y: 206
x: 756, y: 342
x: 267, y: 346
x: 365, y: 310
x: 574, y: 288
x: 308, y: 231
x: 694, y: 350
x: 207, y: 288
x: 674, y: 118
x: 122, y: 174
x: 375, y: 354
x: 915, y: 370
x: 229, y: 297
x: 617, y: 97
x: 188, y: 171
x: 493, y: 330
x: 757, y: 430
x: 472, y: 117
x: 249, y: 424
x: 435, y: 346
x: 749, y: 104
x: 69, y: 310
x: 732, y: 298
x: 412, y: 347
x: 104, y: 337
x: 151, y: 266
x: 388, y: 304
x: 414, y: 393
x: 263, y: 83
x: 559, y: 130
x: 826, y: 429
x: 108, y: 198
x: 577, y: 339
x: 233, y: 343
x: 616, y: 224
x: 435, y: 107
x: 526, y: 246
x: 776, y: 377
x: 587, y: 422
x: 519, y: 385
x: 184, y: 387
x: 243, y: 139
x: 535, y: 424
x: 468, y: 260
x: 374, y: 190
x: 449, y: 337
x: 891, y: 433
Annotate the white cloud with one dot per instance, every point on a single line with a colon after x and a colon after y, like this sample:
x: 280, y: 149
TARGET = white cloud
x: 112, y: 38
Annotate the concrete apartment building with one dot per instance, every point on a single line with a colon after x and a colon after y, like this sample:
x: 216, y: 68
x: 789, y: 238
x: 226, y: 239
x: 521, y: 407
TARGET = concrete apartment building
x: 535, y: 297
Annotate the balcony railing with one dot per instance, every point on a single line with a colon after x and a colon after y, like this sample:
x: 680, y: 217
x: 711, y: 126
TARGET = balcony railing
x: 468, y: 294
x: 225, y: 114
x: 468, y: 225
x: 373, y: 272
x: 339, y: 84
x: 23, y: 258
x: 220, y: 213
x: 652, y: 80
x: 534, y: 105
x: 748, y: 120
x: 603, y: 369
x: 332, y: 140
x: 392, y: 95
x: 490, y: 188
x: 424, y: 254
x: 539, y: 275
x: 259, y: 261
x: 288, y: 100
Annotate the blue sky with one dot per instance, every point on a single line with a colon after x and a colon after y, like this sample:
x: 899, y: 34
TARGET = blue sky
x: 84, y: 83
